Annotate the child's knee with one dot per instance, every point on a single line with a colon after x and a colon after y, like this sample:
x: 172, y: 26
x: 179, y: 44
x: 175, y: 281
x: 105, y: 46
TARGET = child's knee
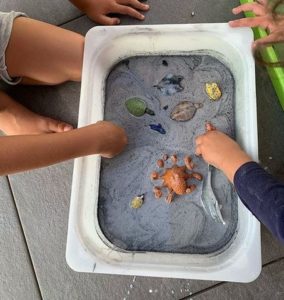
x: 75, y: 70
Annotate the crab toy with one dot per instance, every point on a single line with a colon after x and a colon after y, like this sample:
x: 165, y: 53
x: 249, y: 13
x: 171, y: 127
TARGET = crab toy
x: 175, y: 178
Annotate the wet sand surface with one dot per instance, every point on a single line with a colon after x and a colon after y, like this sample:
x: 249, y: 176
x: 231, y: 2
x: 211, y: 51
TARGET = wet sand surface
x: 182, y: 226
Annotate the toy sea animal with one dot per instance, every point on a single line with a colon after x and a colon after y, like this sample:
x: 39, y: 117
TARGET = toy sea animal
x: 165, y: 63
x: 209, y: 199
x: 194, y: 61
x: 213, y: 91
x: 175, y: 178
x: 170, y: 85
x: 137, y: 201
x: 158, y: 128
x: 137, y: 107
x: 185, y: 111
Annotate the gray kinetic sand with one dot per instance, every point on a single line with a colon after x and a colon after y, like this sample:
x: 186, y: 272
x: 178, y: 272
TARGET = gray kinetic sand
x: 183, y: 226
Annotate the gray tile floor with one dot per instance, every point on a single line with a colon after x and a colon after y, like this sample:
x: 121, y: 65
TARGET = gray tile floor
x: 34, y: 205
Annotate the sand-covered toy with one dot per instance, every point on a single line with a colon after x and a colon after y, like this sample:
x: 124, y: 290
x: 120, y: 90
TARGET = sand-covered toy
x: 158, y: 127
x: 185, y: 111
x: 170, y: 85
x: 137, y: 107
x: 137, y: 201
x: 175, y: 179
x: 213, y: 91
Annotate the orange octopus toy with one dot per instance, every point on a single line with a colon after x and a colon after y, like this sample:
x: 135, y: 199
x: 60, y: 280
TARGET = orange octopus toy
x: 175, y: 178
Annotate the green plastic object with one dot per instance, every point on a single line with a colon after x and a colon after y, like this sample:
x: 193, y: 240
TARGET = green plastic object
x: 269, y: 54
x: 137, y: 107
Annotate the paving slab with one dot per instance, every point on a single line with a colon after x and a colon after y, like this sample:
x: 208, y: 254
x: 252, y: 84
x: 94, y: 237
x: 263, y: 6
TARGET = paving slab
x: 270, y: 125
x: 271, y: 248
x: 269, y: 285
x: 180, y: 12
x: 17, y: 278
x: 51, y: 11
x: 43, y: 195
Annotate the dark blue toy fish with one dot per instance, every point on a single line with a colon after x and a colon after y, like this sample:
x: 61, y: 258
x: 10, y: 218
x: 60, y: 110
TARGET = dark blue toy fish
x: 158, y: 128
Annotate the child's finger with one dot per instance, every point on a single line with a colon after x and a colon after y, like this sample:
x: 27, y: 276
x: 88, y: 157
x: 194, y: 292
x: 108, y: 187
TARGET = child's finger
x: 135, y: 4
x: 198, y: 151
x: 126, y: 10
x: 256, y: 8
x: 250, y: 22
x: 105, y: 20
x: 267, y: 41
x: 263, y: 2
x: 198, y: 140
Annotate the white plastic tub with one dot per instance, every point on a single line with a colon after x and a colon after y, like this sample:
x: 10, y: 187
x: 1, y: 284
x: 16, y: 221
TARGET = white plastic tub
x: 87, y: 248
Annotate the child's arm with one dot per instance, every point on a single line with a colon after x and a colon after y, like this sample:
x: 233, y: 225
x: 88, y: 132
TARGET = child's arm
x: 258, y: 190
x: 263, y: 195
x: 99, y: 10
x: 24, y: 152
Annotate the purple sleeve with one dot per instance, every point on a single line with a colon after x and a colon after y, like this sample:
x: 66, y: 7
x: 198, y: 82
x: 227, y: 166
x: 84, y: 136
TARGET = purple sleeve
x: 263, y: 195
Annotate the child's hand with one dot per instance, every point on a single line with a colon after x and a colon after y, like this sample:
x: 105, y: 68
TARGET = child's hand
x: 98, y: 10
x: 112, y: 139
x: 264, y: 19
x: 221, y: 151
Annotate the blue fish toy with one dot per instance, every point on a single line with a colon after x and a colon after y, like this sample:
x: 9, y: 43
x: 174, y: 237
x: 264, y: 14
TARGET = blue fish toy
x: 158, y: 128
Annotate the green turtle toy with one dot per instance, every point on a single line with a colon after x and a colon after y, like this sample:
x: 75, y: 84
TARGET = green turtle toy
x: 137, y: 107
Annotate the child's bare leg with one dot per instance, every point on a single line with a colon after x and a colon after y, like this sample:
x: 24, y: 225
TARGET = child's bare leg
x: 43, y: 52
x: 15, y: 119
